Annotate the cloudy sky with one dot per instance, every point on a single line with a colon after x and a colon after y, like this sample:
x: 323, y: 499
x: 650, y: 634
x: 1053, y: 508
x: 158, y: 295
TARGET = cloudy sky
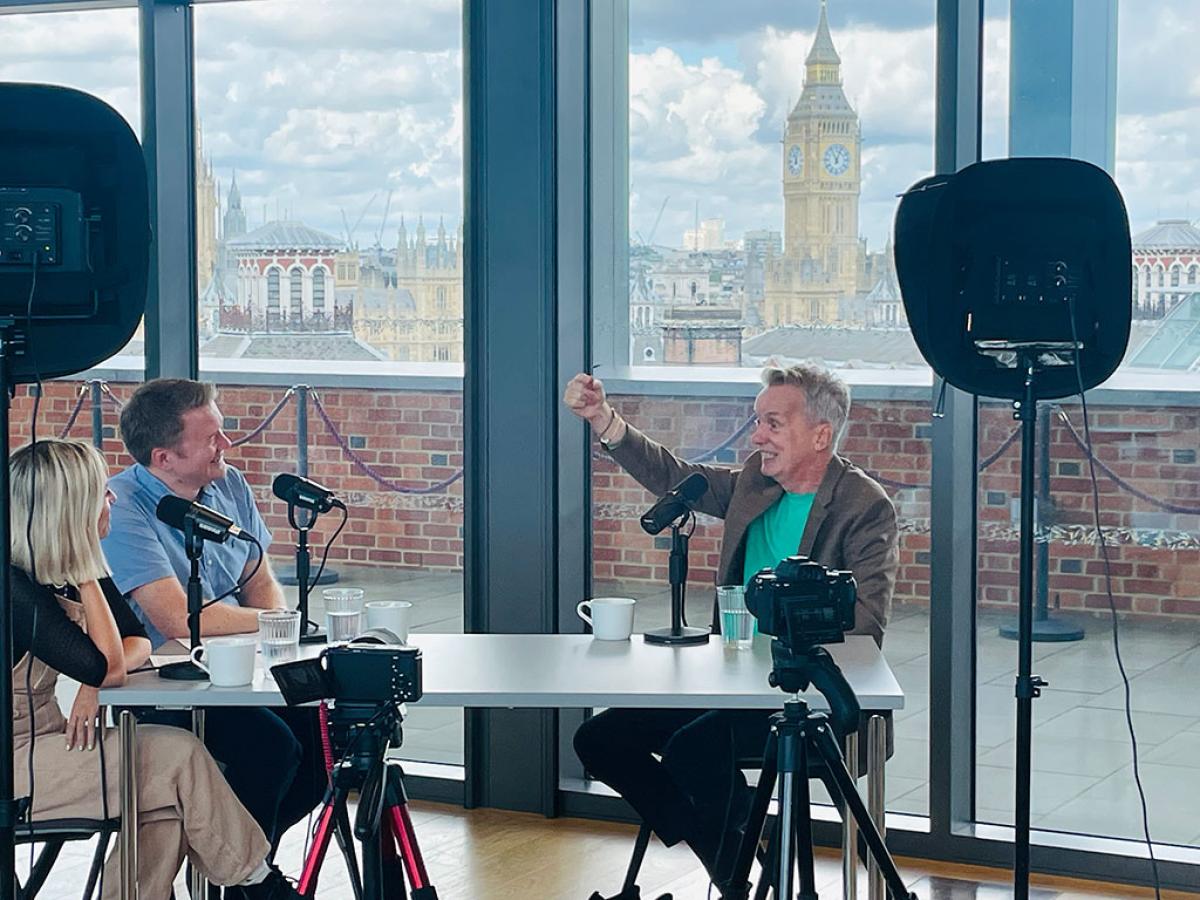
x: 324, y: 106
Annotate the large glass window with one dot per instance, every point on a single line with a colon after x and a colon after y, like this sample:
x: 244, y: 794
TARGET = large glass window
x: 1149, y: 483
x: 329, y: 252
x: 765, y: 155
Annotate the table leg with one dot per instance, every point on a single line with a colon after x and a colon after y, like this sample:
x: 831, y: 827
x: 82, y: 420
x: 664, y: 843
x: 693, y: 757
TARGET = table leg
x: 876, y: 759
x: 850, y: 828
x: 129, y: 810
x: 198, y: 885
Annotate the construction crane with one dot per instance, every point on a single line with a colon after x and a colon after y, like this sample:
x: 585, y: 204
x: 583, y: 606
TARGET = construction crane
x: 383, y: 222
x: 345, y: 222
x: 662, y: 209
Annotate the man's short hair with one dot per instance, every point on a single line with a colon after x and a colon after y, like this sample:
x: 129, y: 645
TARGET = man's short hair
x: 153, y: 416
x: 826, y: 397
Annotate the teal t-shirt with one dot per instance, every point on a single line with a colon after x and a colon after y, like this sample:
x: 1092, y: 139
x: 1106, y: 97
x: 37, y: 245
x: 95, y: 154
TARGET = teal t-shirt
x: 776, y: 533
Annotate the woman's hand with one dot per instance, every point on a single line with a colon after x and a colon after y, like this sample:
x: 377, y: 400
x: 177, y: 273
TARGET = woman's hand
x: 82, y: 724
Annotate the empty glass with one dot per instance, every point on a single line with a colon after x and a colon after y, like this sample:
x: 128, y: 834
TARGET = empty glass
x: 343, y: 613
x: 737, y: 625
x: 278, y: 634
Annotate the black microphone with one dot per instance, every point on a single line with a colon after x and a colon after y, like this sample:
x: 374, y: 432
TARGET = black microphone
x: 675, y: 503
x: 302, y: 492
x: 207, y: 523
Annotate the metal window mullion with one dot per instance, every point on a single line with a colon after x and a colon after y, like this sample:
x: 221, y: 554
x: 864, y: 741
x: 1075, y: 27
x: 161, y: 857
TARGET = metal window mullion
x: 169, y: 142
x: 957, y: 133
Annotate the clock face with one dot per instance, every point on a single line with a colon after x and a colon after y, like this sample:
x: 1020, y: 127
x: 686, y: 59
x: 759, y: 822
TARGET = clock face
x: 795, y: 160
x: 837, y: 159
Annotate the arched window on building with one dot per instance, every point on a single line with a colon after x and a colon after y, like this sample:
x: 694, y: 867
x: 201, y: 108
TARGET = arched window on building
x: 272, y: 294
x: 318, y: 290
x: 1146, y: 272
x: 1193, y: 270
x: 441, y: 298
x: 296, y: 294
x: 1175, y: 271
x: 1161, y: 279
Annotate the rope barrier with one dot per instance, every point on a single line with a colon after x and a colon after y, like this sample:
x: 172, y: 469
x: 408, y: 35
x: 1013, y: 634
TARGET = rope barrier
x: 75, y: 412
x: 265, y: 423
x: 366, y: 468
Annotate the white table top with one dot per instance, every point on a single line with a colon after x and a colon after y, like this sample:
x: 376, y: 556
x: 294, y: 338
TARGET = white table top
x: 563, y: 671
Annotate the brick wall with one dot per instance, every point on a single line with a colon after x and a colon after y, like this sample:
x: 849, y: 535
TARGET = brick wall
x: 415, y: 439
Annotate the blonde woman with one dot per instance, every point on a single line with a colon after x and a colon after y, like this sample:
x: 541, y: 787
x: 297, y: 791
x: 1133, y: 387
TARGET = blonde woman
x: 69, y: 619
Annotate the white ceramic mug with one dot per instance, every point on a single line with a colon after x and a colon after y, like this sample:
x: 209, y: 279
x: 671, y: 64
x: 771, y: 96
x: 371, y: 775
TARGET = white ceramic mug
x: 229, y: 661
x: 611, y: 618
x: 394, y: 615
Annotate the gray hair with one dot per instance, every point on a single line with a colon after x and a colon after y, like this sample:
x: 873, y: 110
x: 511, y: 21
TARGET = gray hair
x: 826, y: 397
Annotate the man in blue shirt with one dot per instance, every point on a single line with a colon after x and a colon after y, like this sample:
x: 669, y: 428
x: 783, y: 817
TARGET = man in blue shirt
x: 174, y: 431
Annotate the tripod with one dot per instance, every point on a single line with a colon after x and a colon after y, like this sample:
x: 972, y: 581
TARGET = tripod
x: 796, y: 733
x: 382, y: 825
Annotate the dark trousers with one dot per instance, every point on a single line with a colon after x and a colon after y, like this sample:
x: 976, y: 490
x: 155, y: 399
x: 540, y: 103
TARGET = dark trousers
x: 676, y: 767
x: 271, y: 758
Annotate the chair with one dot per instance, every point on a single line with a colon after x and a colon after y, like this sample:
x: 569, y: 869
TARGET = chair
x: 53, y: 834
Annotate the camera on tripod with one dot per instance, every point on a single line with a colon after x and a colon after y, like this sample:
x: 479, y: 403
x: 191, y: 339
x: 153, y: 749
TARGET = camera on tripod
x: 367, y: 671
x: 802, y: 603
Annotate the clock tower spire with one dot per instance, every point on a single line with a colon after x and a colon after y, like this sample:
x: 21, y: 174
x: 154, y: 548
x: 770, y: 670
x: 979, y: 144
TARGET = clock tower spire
x: 821, y: 185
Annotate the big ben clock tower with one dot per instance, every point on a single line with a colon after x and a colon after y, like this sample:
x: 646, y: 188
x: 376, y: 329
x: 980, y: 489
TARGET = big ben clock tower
x: 822, y: 179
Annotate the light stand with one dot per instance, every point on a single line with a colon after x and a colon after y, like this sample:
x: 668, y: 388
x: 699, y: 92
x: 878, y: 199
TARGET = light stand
x: 8, y: 805
x: 187, y: 670
x: 678, y: 633
x: 310, y: 632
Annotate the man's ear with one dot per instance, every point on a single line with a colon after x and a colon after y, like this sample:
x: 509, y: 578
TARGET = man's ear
x: 160, y: 457
x: 824, y: 437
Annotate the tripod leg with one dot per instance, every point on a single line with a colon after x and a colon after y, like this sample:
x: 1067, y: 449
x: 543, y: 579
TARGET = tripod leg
x: 345, y: 840
x: 756, y: 823
x: 826, y: 745
x: 403, y: 836
x: 802, y: 842
x: 307, y: 886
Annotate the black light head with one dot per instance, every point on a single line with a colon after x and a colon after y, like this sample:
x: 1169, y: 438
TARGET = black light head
x: 1014, y: 260
x: 75, y: 218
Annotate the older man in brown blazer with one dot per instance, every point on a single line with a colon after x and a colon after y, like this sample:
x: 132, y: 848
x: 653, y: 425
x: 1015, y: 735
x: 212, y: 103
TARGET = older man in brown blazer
x: 793, y: 495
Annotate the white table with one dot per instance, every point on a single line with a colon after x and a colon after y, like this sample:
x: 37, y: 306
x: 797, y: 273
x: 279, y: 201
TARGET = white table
x: 550, y: 671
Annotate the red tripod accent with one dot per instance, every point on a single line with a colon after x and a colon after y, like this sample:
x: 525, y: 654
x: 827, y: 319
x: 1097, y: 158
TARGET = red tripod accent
x: 383, y: 825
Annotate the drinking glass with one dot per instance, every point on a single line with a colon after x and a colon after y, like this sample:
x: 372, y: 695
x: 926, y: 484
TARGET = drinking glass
x: 278, y: 634
x: 737, y: 624
x: 343, y: 613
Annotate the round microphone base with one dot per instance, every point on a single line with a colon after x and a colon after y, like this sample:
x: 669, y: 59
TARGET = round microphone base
x: 182, y: 671
x: 685, y: 635
x: 315, y: 635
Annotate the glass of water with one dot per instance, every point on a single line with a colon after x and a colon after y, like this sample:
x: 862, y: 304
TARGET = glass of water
x: 343, y: 613
x: 737, y: 625
x: 278, y: 634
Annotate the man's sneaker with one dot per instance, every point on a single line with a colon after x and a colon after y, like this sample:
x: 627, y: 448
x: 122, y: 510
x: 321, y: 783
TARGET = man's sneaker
x: 273, y: 887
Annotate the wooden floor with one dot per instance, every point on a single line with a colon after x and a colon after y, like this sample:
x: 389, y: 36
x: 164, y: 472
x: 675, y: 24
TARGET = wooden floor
x: 486, y: 854
x: 491, y: 855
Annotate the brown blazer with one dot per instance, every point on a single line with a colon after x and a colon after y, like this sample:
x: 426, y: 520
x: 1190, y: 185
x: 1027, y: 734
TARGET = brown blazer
x: 852, y: 524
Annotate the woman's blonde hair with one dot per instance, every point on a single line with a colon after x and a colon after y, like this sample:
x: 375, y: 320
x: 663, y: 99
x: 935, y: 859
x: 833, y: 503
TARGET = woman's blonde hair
x: 70, y: 478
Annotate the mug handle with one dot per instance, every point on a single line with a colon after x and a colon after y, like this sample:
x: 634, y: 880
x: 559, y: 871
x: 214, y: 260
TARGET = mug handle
x: 195, y: 657
x: 579, y: 611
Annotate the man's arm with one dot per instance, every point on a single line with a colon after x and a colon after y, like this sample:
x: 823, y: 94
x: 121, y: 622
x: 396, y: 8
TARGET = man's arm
x: 262, y: 591
x: 165, y: 603
x: 872, y: 553
x: 658, y: 470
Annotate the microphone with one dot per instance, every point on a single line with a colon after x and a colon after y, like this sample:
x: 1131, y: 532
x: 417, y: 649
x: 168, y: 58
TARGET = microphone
x: 675, y: 503
x: 300, y: 491
x: 207, y: 523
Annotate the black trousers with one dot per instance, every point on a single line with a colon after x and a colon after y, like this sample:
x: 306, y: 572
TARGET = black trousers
x: 272, y: 758
x: 676, y: 767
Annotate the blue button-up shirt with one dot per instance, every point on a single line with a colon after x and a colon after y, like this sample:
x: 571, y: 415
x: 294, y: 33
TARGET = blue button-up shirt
x: 141, y: 549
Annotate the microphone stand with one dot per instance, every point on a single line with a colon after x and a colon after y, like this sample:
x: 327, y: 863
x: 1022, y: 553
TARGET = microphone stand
x: 310, y: 632
x: 193, y: 544
x: 678, y: 633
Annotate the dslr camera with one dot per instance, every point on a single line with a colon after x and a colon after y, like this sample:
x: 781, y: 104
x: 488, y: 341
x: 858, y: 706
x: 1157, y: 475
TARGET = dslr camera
x: 369, y: 671
x: 802, y: 603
